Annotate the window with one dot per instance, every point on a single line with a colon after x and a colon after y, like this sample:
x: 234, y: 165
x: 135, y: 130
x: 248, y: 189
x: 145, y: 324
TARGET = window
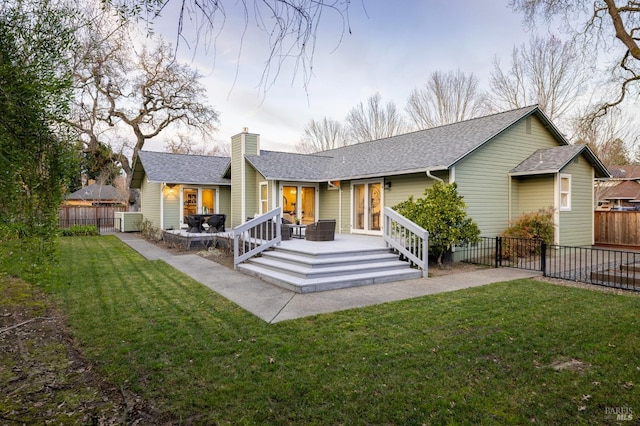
x: 264, y: 198
x: 565, y: 192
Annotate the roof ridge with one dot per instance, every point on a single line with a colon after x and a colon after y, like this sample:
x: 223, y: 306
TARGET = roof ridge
x: 187, y: 155
x: 530, y: 107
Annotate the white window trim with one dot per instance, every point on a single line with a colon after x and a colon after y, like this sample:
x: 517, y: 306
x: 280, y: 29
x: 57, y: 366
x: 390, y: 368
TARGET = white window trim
x: 299, y: 186
x: 352, y: 207
x: 566, y: 208
x: 260, y: 200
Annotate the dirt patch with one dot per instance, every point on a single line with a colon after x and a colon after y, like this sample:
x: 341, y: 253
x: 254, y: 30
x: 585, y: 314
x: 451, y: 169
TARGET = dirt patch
x: 453, y: 268
x: 45, y: 377
x: 222, y: 256
x: 571, y: 365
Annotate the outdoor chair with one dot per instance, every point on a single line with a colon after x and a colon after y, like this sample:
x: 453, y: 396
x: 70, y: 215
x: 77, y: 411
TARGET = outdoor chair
x: 216, y: 222
x: 194, y: 224
x: 322, y: 230
x: 287, y: 231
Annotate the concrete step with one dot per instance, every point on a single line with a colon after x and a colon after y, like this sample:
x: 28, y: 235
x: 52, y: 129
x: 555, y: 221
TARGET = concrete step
x: 307, y: 268
x: 345, y: 267
x: 320, y: 261
x: 310, y: 285
x: 283, y: 251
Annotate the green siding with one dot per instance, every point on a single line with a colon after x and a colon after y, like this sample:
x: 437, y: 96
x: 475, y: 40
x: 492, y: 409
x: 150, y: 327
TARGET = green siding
x: 150, y: 201
x: 404, y: 186
x: 172, y: 208
x: 330, y: 207
x: 483, y: 178
x: 224, y: 203
x: 241, y: 145
x: 535, y: 193
x: 576, y: 226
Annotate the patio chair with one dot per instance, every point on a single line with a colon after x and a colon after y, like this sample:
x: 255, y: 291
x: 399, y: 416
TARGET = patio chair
x: 194, y: 224
x: 287, y: 231
x: 216, y: 222
x: 322, y: 230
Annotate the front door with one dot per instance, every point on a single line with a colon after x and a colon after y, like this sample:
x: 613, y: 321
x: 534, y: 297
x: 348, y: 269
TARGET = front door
x: 366, y: 207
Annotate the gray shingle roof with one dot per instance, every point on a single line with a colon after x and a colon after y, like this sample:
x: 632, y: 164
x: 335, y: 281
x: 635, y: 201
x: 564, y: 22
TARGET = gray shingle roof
x: 180, y: 168
x: 97, y: 192
x: 553, y: 160
x: 289, y: 166
x: 431, y: 149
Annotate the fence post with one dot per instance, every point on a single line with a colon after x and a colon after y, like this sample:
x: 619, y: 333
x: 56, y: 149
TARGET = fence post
x: 543, y: 258
x: 498, y: 262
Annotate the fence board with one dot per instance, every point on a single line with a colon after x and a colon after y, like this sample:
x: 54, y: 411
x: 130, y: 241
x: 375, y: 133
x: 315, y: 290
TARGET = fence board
x: 101, y: 216
x: 618, y: 228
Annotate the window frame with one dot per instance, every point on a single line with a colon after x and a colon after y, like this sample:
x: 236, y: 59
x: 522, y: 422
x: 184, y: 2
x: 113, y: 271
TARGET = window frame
x: 562, y: 206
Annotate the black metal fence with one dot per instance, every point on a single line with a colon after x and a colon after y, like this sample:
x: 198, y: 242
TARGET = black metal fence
x: 606, y: 267
x: 104, y: 224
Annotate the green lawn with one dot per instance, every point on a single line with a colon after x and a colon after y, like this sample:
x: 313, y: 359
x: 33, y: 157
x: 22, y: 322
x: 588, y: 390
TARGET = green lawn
x: 489, y: 355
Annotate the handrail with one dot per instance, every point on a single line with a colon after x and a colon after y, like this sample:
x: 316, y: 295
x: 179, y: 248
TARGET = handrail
x: 256, y: 235
x: 408, y: 238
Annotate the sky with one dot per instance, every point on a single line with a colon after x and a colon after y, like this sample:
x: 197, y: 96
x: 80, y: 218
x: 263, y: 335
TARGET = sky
x: 392, y: 48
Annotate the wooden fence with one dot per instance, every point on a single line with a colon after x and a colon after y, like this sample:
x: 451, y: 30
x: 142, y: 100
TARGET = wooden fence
x: 100, y: 216
x: 619, y: 228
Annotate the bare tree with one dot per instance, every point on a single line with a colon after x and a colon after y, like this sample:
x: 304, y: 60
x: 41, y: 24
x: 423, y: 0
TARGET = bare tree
x: 374, y: 121
x: 612, y: 137
x: 182, y: 144
x: 290, y: 26
x: 547, y: 72
x: 140, y: 95
x: 321, y: 136
x: 444, y: 99
x: 597, y: 24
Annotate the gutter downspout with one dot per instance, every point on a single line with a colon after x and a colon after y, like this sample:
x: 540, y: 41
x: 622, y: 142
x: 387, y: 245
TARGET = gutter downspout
x: 433, y: 177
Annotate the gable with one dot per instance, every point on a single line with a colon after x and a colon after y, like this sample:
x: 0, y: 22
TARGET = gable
x: 180, y: 168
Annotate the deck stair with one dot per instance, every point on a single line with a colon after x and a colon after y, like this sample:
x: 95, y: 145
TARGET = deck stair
x: 307, y: 272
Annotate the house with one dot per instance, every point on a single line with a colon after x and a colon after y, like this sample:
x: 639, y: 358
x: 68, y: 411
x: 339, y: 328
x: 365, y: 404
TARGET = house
x: 622, y: 191
x: 504, y: 164
x: 97, y: 195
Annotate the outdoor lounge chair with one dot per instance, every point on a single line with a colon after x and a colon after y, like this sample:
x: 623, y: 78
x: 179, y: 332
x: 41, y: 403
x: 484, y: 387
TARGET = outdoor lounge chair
x: 322, y: 230
x: 194, y: 224
x: 216, y: 222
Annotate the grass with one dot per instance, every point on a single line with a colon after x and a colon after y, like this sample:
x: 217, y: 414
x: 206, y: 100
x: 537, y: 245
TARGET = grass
x: 508, y: 353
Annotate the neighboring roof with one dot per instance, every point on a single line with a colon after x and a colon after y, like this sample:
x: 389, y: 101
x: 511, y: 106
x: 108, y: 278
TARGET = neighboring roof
x: 437, y: 148
x: 96, y: 192
x: 553, y: 160
x: 628, y: 171
x: 627, y: 190
x: 179, y: 168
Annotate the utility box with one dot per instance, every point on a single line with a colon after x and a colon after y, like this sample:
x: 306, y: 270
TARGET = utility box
x: 127, y: 221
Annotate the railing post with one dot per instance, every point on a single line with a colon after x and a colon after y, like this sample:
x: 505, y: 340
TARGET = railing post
x: 543, y: 258
x: 498, y: 244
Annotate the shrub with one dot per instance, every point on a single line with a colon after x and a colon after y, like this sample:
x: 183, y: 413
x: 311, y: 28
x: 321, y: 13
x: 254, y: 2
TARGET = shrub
x: 442, y: 212
x: 80, y: 231
x: 528, y: 226
x: 537, y: 225
x: 149, y: 231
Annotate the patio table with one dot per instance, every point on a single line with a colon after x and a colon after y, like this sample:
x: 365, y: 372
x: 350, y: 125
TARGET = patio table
x: 200, y: 219
x: 297, y: 231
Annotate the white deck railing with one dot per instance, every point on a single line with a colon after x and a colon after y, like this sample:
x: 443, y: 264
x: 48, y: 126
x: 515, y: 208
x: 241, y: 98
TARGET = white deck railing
x: 409, y: 239
x: 257, y: 235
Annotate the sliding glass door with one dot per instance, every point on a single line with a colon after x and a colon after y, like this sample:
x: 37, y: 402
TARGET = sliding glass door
x: 366, y: 207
